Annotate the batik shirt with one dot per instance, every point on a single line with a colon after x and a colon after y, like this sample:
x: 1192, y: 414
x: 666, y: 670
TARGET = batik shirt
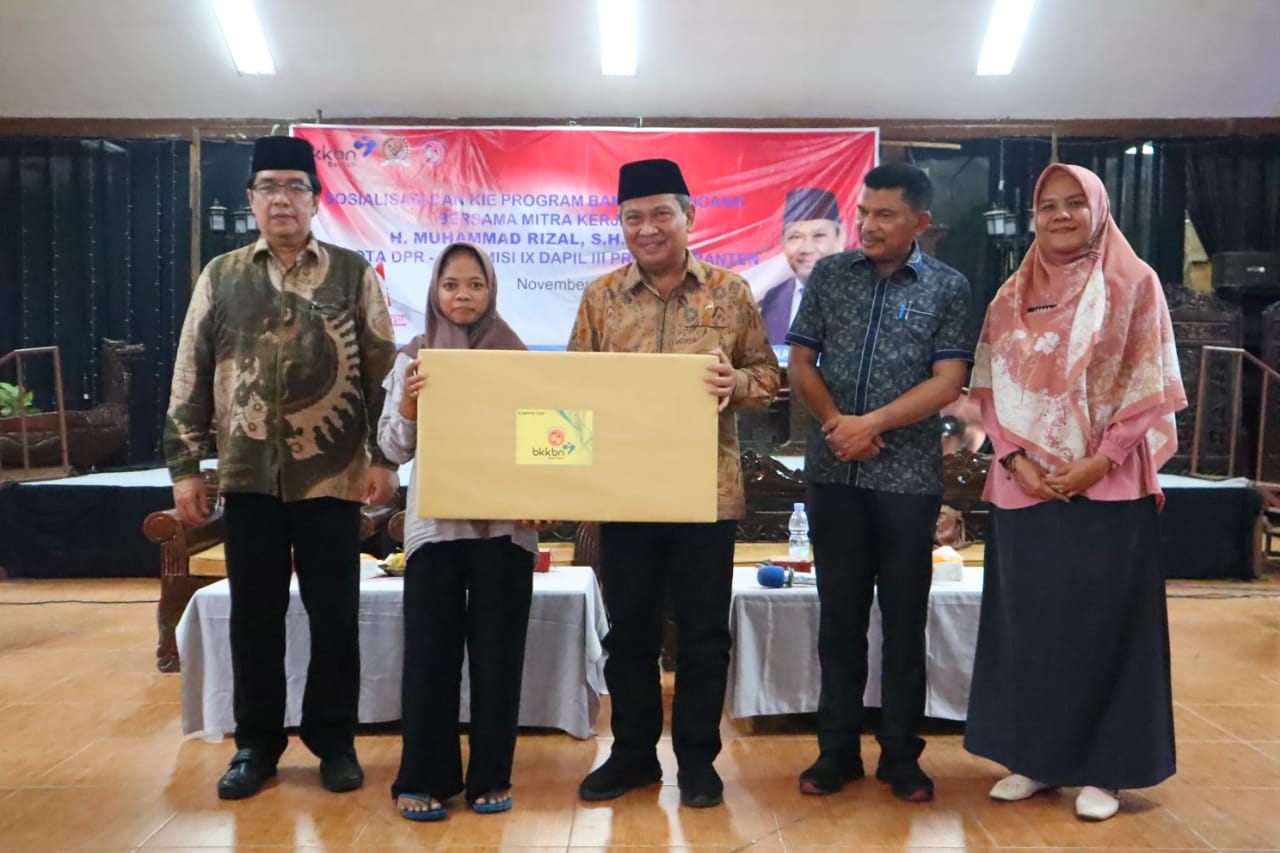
x: 286, y: 367
x: 712, y: 307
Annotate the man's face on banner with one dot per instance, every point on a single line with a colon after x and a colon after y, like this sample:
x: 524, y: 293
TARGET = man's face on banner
x: 656, y: 230
x: 806, y: 241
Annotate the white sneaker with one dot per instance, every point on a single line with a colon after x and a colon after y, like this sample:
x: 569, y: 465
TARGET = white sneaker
x: 1096, y: 803
x: 1010, y: 789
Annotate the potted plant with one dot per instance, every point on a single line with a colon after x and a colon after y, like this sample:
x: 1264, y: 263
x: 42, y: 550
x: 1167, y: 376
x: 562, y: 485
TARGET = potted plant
x: 15, y: 400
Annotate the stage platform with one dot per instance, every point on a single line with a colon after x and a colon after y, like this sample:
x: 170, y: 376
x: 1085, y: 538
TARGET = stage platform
x: 82, y: 527
x: 91, y: 526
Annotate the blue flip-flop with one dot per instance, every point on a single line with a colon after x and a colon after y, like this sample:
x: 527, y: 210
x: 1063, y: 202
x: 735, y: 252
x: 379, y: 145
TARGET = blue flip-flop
x: 429, y: 814
x: 492, y: 807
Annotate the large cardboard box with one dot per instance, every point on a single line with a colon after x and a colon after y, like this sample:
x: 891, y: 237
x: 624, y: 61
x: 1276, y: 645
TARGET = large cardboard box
x: 566, y: 436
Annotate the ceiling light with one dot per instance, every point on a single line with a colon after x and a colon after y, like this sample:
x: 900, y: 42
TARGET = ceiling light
x: 1004, y: 35
x: 243, y: 34
x: 618, y: 37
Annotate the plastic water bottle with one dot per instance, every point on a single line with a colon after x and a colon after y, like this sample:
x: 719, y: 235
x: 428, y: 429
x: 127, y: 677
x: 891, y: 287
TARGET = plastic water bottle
x: 798, y: 547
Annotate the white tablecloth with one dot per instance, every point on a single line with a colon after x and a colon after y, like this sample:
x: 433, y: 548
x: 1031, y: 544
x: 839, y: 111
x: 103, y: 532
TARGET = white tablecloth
x: 775, y: 647
x: 563, y: 668
x: 1167, y: 481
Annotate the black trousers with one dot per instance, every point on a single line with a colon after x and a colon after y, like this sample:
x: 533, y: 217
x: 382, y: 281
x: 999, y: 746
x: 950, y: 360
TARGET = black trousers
x: 641, y: 565
x: 474, y: 593
x: 266, y: 541
x: 864, y: 540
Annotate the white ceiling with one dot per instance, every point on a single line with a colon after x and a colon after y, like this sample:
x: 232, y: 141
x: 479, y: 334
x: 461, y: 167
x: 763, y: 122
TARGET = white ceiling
x: 800, y: 59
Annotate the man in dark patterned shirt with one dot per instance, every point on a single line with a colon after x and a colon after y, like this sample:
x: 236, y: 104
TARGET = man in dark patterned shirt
x: 284, y: 349
x: 878, y: 347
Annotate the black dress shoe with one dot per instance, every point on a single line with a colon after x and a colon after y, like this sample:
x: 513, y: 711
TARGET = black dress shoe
x: 246, y: 775
x: 614, y: 778
x: 828, y: 775
x: 907, y: 781
x: 341, y: 772
x: 700, y: 786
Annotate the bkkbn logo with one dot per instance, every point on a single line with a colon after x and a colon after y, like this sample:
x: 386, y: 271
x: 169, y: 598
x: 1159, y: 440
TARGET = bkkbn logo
x: 560, y: 446
x: 361, y: 148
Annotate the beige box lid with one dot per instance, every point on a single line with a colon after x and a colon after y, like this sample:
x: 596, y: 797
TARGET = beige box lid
x: 602, y: 436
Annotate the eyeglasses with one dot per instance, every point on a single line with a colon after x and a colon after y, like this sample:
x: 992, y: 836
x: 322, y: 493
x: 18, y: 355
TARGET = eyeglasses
x: 294, y: 189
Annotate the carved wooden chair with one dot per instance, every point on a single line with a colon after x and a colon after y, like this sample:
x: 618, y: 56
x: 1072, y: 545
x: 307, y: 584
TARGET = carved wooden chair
x: 586, y: 552
x: 179, y: 542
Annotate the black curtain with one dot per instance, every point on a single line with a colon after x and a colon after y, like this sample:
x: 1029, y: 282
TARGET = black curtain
x: 960, y: 195
x: 1233, y: 193
x: 224, y: 168
x: 95, y: 241
x: 1145, y: 181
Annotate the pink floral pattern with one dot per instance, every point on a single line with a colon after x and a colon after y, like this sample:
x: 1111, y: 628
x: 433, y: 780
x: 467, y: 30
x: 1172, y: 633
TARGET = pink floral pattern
x: 1119, y: 361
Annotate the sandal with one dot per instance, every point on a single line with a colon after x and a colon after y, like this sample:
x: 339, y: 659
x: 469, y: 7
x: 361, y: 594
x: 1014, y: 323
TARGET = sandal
x: 431, y: 813
x: 490, y: 805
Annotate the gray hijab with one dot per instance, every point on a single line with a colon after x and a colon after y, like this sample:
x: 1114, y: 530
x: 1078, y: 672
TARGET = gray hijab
x: 490, y: 331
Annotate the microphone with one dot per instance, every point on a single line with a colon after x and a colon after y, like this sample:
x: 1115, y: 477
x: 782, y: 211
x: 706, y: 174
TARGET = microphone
x: 774, y: 577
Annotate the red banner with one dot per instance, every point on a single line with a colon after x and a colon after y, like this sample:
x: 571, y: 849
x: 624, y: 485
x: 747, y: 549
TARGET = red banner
x: 542, y: 202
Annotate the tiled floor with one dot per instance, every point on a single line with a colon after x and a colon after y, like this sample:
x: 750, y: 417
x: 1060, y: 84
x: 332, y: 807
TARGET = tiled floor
x: 92, y: 758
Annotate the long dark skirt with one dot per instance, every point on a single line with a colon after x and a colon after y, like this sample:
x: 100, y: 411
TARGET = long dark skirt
x: 1071, y: 675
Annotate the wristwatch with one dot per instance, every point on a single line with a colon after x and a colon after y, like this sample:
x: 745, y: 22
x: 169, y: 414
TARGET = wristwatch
x: 1006, y: 461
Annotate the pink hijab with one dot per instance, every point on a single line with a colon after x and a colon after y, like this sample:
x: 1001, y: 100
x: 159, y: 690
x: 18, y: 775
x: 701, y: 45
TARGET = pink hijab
x: 1055, y: 378
x: 488, y: 332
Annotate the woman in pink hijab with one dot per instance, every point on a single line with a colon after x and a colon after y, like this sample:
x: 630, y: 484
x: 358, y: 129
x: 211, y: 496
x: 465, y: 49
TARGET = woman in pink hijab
x: 466, y: 581
x: 1078, y: 381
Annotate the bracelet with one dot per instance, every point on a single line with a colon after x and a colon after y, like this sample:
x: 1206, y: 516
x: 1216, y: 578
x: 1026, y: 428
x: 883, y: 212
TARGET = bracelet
x: 1006, y: 461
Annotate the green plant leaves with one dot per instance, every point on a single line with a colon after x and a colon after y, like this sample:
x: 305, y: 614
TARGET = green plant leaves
x: 15, y: 400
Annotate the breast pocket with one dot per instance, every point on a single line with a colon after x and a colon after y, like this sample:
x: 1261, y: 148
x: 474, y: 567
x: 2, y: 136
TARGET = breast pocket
x: 334, y: 317
x: 327, y: 309
x: 916, y: 324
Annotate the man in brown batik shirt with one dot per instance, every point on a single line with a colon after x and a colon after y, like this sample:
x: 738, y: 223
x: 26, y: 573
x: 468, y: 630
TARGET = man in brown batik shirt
x: 668, y: 301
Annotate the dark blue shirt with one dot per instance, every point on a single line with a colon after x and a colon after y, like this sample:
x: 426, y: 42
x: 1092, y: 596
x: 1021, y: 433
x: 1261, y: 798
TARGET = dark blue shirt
x: 878, y: 338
